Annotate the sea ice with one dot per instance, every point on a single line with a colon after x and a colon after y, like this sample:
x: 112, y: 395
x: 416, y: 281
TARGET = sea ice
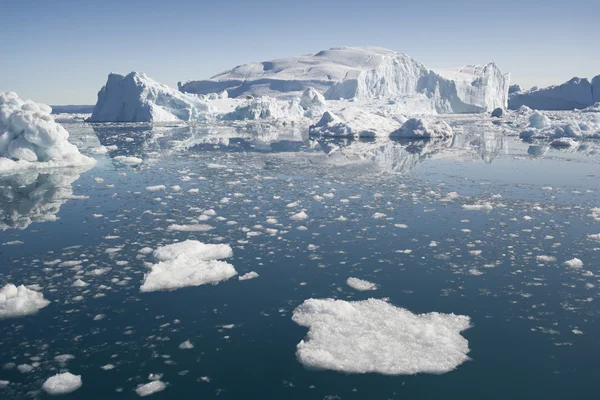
x: 374, y: 336
x: 188, y: 263
x: 62, y: 384
x: 19, y: 301
x: 422, y: 128
x: 248, y: 276
x: 150, y: 388
x: 360, y: 284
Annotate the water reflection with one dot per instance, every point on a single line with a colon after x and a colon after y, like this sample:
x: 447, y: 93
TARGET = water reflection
x: 35, y: 196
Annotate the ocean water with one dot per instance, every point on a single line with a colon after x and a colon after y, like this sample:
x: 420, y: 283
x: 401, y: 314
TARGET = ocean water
x: 534, y: 327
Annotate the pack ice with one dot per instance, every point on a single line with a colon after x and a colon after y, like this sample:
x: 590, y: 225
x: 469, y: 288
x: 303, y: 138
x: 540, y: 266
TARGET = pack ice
x: 188, y: 263
x: 576, y: 93
x: 374, y: 336
x: 29, y: 137
x: 137, y: 98
x: 364, y: 73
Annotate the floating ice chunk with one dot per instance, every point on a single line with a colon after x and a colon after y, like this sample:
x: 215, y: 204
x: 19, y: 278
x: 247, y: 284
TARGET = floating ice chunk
x: 266, y: 107
x: 62, y: 384
x: 24, y: 368
x: 543, y: 258
x: 107, y: 367
x: 313, y: 103
x: 378, y: 215
x: 574, y: 263
x: 478, y: 207
x: 186, y: 345
x: 4, y: 384
x: 249, y: 275
x: 63, y: 358
x: 19, y: 301
x: 360, y: 284
x: 374, y: 336
x: 128, y: 160
x: 422, y: 128
x: 156, y: 188
x: 538, y: 120
x: 190, y: 228
x: 79, y: 283
x: 188, y: 263
x: 355, y: 122
x: 150, y: 388
x: 594, y: 237
x: 299, y: 216
x: 564, y: 142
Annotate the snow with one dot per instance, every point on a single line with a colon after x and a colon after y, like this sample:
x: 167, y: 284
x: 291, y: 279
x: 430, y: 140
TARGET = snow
x: 137, y: 98
x: 576, y: 93
x: 17, y: 301
x: 360, y: 284
x: 363, y: 73
x: 372, y: 336
x: 248, y: 276
x: 62, y: 384
x: 150, y: 388
x: 423, y: 128
x: 31, y: 138
x: 355, y: 122
x: 188, y: 263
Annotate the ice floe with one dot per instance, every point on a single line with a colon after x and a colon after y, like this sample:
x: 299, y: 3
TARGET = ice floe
x: 17, y: 301
x: 63, y: 383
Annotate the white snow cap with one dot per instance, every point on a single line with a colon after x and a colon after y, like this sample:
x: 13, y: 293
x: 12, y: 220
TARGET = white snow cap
x: 423, y: 128
x: 188, y: 263
x: 150, y: 388
x: 19, y: 301
x: 374, y: 336
x: 360, y: 284
x: 137, y: 98
x: 62, y: 384
x: 29, y: 134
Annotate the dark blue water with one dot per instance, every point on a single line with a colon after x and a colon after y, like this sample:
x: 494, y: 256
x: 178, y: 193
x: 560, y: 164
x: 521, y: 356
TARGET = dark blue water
x: 524, y: 312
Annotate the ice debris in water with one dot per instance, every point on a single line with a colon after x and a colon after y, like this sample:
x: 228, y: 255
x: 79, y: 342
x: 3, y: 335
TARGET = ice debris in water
x: 29, y: 135
x: 188, y: 263
x: 19, y: 301
x: 573, y: 263
x: 249, y: 275
x: 62, y: 384
x: 150, y: 388
x: 360, y: 284
x: 186, y: 345
x: 374, y: 336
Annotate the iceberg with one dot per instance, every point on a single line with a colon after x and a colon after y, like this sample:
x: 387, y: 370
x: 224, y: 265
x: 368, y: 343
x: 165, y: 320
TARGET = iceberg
x: 31, y: 138
x: 355, y: 122
x: 137, y: 98
x: 422, y: 129
x: 370, y: 73
x: 576, y: 93
x: 62, y: 384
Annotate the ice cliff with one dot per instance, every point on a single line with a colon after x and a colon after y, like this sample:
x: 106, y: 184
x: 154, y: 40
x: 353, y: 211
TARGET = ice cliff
x: 368, y: 73
x: 576, y: 93
x: 137, y: 98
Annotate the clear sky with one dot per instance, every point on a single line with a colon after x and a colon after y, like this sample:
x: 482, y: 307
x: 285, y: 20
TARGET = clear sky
x: 61, y: 51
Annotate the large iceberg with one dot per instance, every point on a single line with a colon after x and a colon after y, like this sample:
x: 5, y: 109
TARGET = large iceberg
x: 31, y: 138
x: 576, y: 93
x: 364, y: 73
x: 137, y: 98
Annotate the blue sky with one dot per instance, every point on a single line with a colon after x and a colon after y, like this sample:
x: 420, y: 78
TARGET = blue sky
x: 61, y: 51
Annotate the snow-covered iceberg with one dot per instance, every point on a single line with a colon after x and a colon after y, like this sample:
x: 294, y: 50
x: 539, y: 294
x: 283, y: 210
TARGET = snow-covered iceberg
x: 576, y: 93
x: 364, y: 73
x: 372, y: 336
x: 31, y: 138
x: 419, y: 128
x: 353, y: 121
x: 137, y: 98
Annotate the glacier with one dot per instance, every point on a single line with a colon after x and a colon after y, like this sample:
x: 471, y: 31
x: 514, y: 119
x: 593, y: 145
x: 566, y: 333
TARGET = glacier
x: 576, y: 93
x: 137, y: 98
x: 364, y: 73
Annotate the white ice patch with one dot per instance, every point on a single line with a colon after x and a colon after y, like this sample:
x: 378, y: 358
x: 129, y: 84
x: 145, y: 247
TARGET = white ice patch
x: 188, y: 263
x: 573, y: 263
x: 187, y: 345
x: 374, y: 336
x: 190, y: 228
x: 19, y: 301
x: 299, y: 216
x: 478, y: 207
x: 423, y: 128
x: 360, y: 284
x: 248, y: 276
x: 150, y: 388
x: 62, y: 384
